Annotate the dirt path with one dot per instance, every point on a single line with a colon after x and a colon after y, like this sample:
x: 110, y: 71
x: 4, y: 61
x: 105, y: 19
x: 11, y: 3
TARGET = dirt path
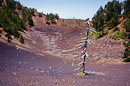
x: 22, y: 68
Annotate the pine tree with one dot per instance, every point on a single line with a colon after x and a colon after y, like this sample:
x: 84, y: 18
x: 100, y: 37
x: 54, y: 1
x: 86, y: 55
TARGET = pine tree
x: 127, y: 8
x: 109, y: 11
x: 11, y: 4
x: 98, y: 19
x: 57, y: 16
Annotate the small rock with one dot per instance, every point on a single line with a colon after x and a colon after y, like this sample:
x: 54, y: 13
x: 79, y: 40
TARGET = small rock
x: 63, y: 80
x: 15, y: 66
x: 17, y: 48
x: 14, y: 73
x: 42, y: 71
x: 37, y: 70
x: 20, y: 62
x: 73, y: 64
x: 60, y: 71
x: 31, y: 68
x: 65, y: 62
x: 24, y: 62
x: 50, y: 68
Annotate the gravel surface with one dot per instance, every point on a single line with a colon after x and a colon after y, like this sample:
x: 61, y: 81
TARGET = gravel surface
x: 45, y: 58
x: 22, y: 68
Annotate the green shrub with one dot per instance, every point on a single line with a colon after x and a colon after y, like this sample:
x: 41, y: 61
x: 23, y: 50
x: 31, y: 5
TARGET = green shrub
x: 21, y: 39
x: 127, y: 60
x: 40, y: 14
x: 116, y: 37
x: 127, y: 26
x: 91, y: 35
x: 105, y: 36
x: 110, y: 23
x: 64, y: 24
x: 10, y: 21
x: 106, y: 29
x: 127, y: 55
x: 32, y: 11
x: 97, y: 36
x: 31, y: 22
x: 26, y: 15
x: 123, y: 34
x: 126, y: 44
x: 51, y: 18
x: 128, y: 36
x: 115, y: 29
x: 110, y: 36
x: 9, y: 37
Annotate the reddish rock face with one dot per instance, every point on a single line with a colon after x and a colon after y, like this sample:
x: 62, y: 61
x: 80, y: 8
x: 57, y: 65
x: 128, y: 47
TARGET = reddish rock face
x: 1, y: 29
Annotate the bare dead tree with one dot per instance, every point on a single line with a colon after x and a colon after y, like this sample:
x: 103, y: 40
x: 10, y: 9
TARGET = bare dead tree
x: 83, y: 45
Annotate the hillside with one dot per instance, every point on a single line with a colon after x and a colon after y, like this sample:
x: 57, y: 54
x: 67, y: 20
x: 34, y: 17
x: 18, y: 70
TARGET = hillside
x: 58, y: 40
x: 36, y: 49
x: 57, y: 37
x: 113, y: 21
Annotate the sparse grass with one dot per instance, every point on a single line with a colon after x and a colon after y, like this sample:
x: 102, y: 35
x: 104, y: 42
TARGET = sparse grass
x: 97, y: 36
x: 116, y: 37
x: 123, y: 34
x: 80, y: 74
x: 105, y: 36
x: 119, y: 35
x: 21, y: 39
x: 91, y: 35
x: 64, y: 24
